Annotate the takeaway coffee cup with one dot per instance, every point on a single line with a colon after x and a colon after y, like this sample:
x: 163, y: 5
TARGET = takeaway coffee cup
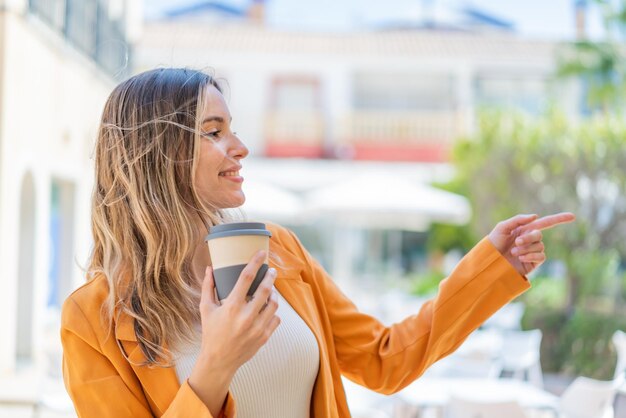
x: 231, y: 247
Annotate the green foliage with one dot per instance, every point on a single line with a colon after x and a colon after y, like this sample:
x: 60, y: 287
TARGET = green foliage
x: 444, y: 237
x: 425, y: 284
x: 518, y: 164
x: 576, y: 345
x: 547, y: 293
x: 600, y: 63
x: 598, y: 268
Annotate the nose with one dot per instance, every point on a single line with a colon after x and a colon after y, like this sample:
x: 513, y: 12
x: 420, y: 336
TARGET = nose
x: 238, y: 149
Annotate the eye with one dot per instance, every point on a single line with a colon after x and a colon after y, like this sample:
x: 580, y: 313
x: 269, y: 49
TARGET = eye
x: 214, y: 134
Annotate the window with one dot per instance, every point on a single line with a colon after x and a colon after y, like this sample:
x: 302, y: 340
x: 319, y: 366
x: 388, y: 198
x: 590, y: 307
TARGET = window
x: 50, y: 11
x: 296, y: 93
x: 94, y: 27
x: 81, y: 20
x: 403, y: 91
x: 525, y: 92
x: 294, y: 126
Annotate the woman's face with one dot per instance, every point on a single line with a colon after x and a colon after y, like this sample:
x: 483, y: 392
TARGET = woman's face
x: 217, y: 177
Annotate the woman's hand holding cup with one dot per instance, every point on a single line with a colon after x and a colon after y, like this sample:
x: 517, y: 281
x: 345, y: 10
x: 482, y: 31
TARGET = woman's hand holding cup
x: 233, y: 330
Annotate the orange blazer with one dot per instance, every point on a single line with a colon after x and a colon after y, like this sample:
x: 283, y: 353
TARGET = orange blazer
x: 102, y: 383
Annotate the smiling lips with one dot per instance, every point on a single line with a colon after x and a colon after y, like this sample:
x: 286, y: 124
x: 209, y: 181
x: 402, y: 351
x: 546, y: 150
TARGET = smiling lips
x: 229, y: 173
x: 232, y: 175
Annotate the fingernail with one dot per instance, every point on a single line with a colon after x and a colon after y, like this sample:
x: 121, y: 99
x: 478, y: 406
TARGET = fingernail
x: 261, y: 254
x: 514, y: 251
x: 519, y: 241
x: 272, y: 272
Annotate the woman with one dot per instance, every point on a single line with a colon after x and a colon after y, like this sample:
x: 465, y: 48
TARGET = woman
x: 145, y: 336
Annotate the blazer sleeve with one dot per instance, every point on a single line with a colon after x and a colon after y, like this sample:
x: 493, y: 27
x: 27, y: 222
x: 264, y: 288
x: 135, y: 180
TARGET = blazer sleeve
x: 98, y: 390
x: 387, y: 359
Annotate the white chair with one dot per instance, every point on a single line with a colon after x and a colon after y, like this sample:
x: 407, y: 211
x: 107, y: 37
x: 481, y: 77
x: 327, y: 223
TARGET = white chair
x: 477, y: 357
x: 619, y: 341
x: 396, y: 306
x: 521, y: 355
x: 20, y: 393
x: 464, y: 408
x: 365, y: 403
x: 509, y: 317
x: 589, y: 398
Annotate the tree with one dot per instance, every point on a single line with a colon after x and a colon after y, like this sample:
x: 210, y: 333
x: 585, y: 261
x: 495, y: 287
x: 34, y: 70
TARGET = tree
x: 517, y: 164
x: 600, y: 64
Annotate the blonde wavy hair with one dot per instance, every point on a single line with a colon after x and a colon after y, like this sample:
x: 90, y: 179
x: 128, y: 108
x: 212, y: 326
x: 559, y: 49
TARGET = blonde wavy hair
x: 145, y: 210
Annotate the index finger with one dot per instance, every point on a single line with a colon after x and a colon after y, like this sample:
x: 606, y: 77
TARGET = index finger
x: 550, y: 221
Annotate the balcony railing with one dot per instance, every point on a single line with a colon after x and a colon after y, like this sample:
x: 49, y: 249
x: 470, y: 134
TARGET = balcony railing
x: 364, y: 135
x: 294, y: 134
x: 86, y: 25
x: 401, y: 127
x: 398, y: 135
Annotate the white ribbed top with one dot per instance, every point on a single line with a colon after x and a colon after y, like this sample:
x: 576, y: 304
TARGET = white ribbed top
x: 278, y: 381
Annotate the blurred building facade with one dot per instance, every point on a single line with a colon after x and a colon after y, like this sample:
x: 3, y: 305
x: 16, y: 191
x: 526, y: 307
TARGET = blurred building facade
x: 59, y: 59
x: 317, y: 108
x: 402, y: 93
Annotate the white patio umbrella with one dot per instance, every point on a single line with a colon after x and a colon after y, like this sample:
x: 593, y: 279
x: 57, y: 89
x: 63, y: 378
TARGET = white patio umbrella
x: 387, y: 201
x: 265, y: 201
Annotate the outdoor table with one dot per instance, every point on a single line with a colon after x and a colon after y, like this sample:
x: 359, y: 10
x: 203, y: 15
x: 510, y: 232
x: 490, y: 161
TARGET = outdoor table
x: 619, y: 405
x: 427, y: 393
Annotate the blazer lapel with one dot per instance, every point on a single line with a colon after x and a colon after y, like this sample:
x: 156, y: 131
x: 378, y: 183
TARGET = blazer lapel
x: 299, y: 295
x: 290, y: 285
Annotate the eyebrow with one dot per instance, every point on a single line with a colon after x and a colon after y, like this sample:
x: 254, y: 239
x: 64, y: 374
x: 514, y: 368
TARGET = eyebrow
x: 216, y: 119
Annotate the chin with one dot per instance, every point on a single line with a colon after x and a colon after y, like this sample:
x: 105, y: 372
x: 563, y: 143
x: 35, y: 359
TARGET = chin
x: 234, y: 203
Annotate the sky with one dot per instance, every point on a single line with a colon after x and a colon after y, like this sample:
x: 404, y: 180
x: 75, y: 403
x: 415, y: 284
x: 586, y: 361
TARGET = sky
x: 541, y: 19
